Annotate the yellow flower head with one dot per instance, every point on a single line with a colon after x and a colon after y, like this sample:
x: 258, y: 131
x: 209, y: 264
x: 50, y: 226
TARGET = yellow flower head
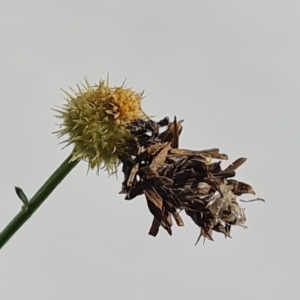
x: 96, y: 119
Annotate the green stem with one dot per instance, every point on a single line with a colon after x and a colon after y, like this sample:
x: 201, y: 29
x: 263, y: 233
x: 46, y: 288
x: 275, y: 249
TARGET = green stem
x: 36, y: 201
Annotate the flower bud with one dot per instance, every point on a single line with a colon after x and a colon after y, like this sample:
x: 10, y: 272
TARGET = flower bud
x: 96, y: 118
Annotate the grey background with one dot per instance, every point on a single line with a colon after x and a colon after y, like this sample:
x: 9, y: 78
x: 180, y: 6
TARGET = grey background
x: 230, y: 69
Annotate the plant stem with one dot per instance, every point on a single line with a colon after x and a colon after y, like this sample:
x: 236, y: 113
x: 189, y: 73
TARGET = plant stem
x: 41, y: 195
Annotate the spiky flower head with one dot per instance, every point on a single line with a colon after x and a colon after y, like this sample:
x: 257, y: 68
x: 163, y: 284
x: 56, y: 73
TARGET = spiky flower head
x: 96, y: 118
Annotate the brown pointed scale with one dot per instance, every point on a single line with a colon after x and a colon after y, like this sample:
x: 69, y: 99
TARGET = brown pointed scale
x: 154, y: 227
x: 177, y: 218
x: 153, y: 197
x: 172, y: 133
x: 239, y: 188
x: 132, y: 175
x: 212, y: 153
x: 220, y: 228
x: 160, y: 156
x: 155, y: 206
x: 237, y: 163
x: 152, y: 150
x: 207, y: 234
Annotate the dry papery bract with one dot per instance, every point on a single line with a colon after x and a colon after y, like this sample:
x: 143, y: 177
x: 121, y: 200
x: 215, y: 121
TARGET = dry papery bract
x: 175, y: 180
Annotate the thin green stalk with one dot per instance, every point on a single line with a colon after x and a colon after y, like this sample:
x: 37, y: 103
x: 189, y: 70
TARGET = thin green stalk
x: 36, y: 201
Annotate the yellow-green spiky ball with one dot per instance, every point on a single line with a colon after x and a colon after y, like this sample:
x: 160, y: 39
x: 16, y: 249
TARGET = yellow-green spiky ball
x: 95, y: 118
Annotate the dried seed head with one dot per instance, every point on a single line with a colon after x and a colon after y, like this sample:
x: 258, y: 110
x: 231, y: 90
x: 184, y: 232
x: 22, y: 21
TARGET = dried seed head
x: 96, y: 119
x: 175, y: 180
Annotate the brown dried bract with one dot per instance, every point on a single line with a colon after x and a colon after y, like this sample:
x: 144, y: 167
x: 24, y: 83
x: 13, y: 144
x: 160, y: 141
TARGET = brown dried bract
x: 175, y: 180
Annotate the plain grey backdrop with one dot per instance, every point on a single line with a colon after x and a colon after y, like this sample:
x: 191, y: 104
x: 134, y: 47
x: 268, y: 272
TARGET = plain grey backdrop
x: 230, y: 69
